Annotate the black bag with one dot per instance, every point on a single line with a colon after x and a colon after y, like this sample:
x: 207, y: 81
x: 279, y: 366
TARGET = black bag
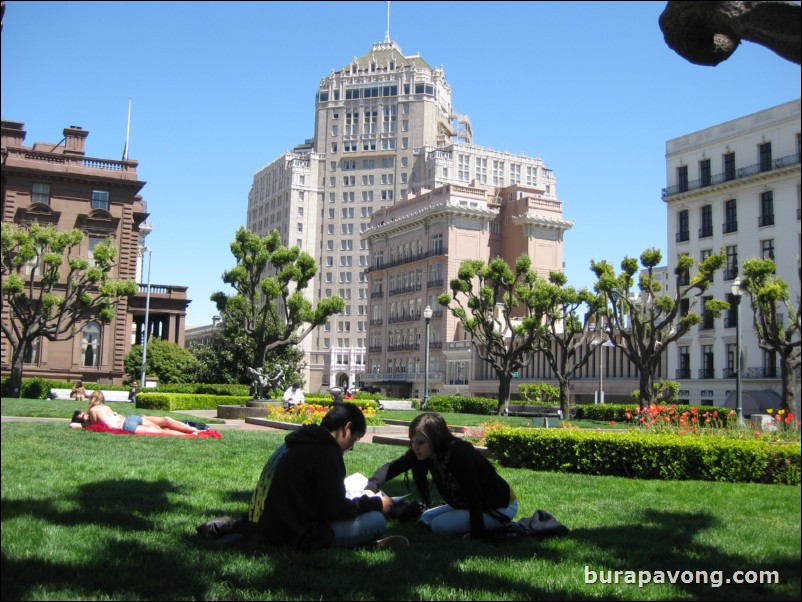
x: 406, y: 510
x: 197, y: 425
x: 540, y: 524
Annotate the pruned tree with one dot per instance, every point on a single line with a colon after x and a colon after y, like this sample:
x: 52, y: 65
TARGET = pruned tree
x: 766, y: 292
x: 497, y: 306
x: 269, y: 302
x: 49, y: 290
x: 566, y: 331
x: 643, y: 325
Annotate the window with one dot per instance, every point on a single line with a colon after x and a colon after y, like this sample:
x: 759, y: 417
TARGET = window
x: 731, y: 269
x: 32, y: 352
x: 766, y: 209
x: 704, y: 173
x: 94, y: 241
x: 708, y: 321
x: 682, y: 178
x: 707, y: 221
x: 729, y: 166
x: 100, y: 199
x: 767, y: 248
x: 40, y: 193
x: 707, y: 371
x: 437, y: 244
x: 481, y: 170
x: 730, y: 216
x: 90, y: 344
x: 682, y: 226
x: 684, y: 363
x: 764, y: 151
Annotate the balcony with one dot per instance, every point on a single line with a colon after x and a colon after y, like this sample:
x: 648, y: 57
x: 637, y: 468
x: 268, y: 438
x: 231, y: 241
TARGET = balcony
x: 743, y: 172
x: 707, y: 373
x: 683, y: 373
x: 765, y: 220
x: 683, y: 236
x: 706, y: 231
x: 729, y: 227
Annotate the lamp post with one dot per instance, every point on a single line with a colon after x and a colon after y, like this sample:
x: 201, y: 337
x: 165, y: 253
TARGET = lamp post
x: 144, y: 230
x: 427, y: 315
x: 737, y: 292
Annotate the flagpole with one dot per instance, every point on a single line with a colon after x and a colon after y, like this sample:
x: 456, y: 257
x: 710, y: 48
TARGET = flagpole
x: 127, y: 131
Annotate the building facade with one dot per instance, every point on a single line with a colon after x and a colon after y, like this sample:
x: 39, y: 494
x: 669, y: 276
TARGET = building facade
x: 734, y: 187
x: 59, y: 185
x: 416, y: 248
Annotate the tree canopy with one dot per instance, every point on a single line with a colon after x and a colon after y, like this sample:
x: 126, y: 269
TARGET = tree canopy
x: 497, y: 306
x: 643, y: 324
x: 49, y: 290
x: 270, y: 304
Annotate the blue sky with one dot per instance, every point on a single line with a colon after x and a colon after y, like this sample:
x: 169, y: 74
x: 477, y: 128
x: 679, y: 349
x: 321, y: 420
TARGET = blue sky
x: 220, y: 89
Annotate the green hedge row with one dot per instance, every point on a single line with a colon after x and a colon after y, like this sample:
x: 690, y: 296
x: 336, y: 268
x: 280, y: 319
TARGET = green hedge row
x: 617, y: 411
x: 186, y: 401
x: 462, y: 405
x: 646, y: 456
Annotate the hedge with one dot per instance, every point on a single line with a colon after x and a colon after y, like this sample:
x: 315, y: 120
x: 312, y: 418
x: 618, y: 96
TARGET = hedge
x: 617, y: 411
x: 462, y: 405
x: 647, y: 456
x: 186, y: 401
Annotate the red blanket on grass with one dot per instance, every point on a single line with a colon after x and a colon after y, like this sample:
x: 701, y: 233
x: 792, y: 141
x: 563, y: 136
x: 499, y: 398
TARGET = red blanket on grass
x: 102, y: 428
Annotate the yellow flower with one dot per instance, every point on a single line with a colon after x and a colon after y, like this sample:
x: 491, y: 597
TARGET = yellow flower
x: 769, y: 411
x: 781, y: 412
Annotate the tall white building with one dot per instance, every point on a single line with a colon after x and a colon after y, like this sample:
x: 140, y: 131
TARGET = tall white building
x: 734, y: 186
x: 384, y: 127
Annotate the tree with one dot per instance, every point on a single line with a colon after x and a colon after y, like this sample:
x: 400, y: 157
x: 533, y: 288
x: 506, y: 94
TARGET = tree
x: 168, y: 362
x: 766, y: 291
x: 563, y: 332
x: 501, y: 316
x: 49, y: 291
x: 643, y: 326
x: 269, y: 304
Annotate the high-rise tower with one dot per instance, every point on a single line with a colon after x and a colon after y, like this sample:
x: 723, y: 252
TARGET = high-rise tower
x: 384, y: 128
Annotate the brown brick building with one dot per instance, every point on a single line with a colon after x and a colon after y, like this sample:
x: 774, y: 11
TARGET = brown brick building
x: 57, y: 184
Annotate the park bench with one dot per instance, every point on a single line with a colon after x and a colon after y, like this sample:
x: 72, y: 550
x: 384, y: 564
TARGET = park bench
x: 547, y: 416
x: 108, y: 395
x: 395, y: 404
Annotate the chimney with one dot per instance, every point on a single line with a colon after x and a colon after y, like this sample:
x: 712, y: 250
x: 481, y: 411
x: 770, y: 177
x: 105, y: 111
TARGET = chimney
x: 13, y: 133
x: 75, y: 140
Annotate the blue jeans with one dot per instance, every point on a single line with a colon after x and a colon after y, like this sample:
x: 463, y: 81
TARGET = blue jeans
x: 446, y: 520
x: 366, y: 527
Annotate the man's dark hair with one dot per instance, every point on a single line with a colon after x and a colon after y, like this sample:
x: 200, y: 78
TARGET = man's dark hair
x: 76, y: 417
x: 341, y: 414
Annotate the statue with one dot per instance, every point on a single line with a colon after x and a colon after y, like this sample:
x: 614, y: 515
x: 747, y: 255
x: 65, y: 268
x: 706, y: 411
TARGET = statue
x: 262, y: 384
x: 707, y: 33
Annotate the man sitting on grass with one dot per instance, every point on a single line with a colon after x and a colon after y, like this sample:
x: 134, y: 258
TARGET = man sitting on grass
x: 300, y: 502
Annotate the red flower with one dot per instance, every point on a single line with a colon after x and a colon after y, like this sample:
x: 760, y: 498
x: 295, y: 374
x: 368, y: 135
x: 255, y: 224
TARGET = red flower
x: 611, y: 422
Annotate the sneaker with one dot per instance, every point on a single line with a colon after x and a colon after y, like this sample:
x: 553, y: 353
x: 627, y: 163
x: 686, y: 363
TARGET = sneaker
x: 392, y: 542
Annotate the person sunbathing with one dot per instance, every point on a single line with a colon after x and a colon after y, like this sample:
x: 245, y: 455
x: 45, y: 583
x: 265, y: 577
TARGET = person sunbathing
x: 100, y: 413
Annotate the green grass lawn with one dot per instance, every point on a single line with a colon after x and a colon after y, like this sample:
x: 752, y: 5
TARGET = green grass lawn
x: 92, y: 516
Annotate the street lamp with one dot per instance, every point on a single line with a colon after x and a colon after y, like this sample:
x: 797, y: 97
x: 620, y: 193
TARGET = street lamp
x: 144, y: 230
x: 600, y: 393
x: 737, y: 292
x: 427, y: 315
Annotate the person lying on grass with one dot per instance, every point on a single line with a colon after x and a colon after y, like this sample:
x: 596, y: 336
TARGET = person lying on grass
x: 99, y: 413
x: 478, y: 499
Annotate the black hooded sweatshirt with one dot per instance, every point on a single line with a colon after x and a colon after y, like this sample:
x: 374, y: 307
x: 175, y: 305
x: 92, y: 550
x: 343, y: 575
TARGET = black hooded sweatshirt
x: 301, y: 491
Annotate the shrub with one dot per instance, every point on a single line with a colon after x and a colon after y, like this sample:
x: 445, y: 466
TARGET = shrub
x: 183, y: 401
x: 462, y: 405
x: 646, y: 456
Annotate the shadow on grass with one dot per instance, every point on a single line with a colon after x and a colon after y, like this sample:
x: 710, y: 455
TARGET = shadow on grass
x: 130, y: 562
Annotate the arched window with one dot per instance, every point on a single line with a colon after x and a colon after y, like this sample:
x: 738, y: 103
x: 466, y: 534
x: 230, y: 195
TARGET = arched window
x: 90, y: 345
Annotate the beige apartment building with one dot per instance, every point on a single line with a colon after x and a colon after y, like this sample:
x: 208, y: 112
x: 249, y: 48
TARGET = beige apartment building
x: 58, y: 184
x: 734, y: 186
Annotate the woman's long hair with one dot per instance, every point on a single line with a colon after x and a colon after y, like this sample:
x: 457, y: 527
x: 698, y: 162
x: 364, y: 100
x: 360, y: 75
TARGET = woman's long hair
x: 434, y: 428
x: 96, y: 399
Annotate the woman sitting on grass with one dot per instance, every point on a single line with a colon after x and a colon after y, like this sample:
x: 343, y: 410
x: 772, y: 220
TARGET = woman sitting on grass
x: 99, y: 413
x: 477, y: 498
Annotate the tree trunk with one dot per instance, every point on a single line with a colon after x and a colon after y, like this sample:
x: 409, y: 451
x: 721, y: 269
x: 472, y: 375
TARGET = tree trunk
x: 15, y: 381
x: 565, y: 399
x: 646, y: 388
x: 504, y: 383
x: 788, y: 370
